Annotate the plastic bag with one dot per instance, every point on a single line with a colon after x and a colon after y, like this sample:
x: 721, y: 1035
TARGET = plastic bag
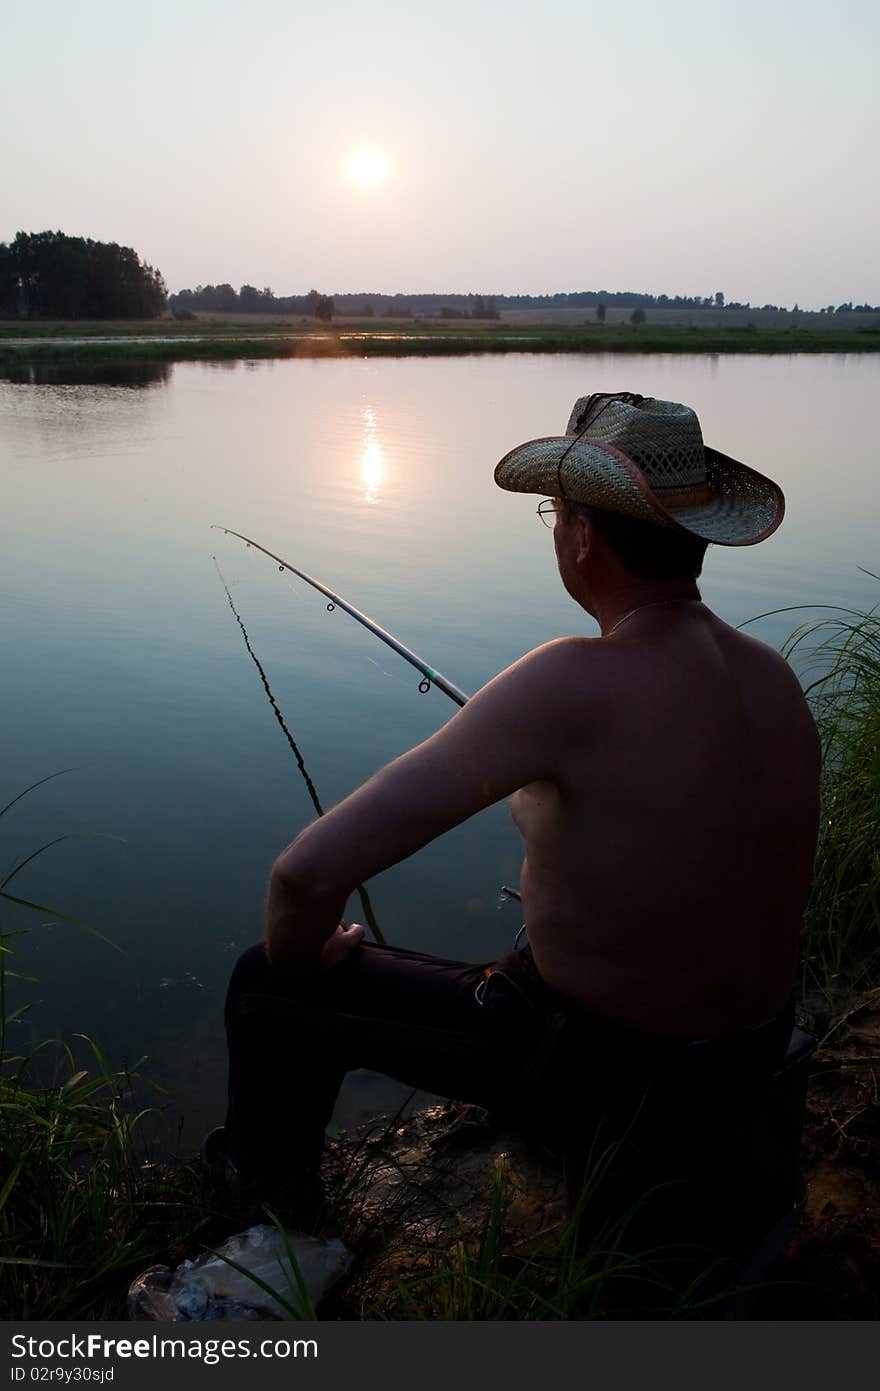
x: 209, y: 1288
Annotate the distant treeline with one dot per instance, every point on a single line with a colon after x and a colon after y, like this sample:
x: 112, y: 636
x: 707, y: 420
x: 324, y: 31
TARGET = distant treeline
x: 47, y: 275
x: 249, y: 300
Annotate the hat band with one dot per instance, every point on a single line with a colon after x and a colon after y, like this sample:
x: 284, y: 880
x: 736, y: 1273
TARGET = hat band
x: 684, y: 497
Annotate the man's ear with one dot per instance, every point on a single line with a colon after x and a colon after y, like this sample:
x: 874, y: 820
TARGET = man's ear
x: 585, y: 538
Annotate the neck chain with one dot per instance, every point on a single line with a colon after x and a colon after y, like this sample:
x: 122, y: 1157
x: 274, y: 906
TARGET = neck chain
x: 653, y: 604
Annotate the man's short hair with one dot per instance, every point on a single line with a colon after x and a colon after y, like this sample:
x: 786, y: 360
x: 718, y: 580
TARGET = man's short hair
x: 648, y: 551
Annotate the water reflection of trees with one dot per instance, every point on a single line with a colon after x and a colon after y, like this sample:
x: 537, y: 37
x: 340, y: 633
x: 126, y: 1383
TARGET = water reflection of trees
x: 127, y: 374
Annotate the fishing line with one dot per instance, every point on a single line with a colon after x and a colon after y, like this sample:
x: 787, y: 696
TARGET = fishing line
x: 312, y: 790
x: 379, y: 667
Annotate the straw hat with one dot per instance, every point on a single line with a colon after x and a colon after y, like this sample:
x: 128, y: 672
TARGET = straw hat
x: 645, y: 458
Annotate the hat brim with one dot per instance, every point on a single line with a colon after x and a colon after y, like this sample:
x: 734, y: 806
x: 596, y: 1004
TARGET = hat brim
x: 737, y: 506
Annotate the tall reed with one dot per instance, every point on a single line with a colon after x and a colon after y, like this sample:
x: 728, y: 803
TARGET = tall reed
x: 838, y: 658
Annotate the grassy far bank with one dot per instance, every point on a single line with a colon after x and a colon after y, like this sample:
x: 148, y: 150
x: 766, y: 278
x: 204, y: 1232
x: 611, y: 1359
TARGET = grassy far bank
x: 98, y: 343
x: 241, y: 325
x: 84, y: 1207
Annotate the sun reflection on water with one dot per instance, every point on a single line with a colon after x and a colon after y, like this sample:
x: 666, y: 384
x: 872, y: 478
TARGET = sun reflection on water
x: 371, y: 457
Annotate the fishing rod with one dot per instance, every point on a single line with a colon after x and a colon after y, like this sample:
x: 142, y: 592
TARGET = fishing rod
x: 364, y: 897
x: 430, y: 677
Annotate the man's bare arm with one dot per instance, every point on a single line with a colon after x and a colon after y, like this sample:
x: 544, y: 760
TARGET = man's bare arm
x: 511, y: 733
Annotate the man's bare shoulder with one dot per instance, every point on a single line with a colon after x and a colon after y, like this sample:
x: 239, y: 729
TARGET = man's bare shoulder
x: 747, y: 642
x: 562, y: 675
x: 529, y: 697
x: 769, y: 686
x: 559, y: 651
x: 556, y: 661
x: 761, y: 656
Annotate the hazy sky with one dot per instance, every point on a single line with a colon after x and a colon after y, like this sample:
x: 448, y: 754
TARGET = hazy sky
x: 686, y: 146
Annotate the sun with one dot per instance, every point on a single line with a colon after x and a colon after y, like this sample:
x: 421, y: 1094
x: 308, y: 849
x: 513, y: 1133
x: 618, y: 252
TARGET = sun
x: 368, y: 167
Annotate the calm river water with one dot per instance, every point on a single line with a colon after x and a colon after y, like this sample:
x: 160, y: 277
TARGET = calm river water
x: 122, y: 662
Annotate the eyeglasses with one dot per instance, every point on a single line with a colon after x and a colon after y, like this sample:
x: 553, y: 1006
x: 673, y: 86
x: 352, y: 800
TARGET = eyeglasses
x: 547, y: 512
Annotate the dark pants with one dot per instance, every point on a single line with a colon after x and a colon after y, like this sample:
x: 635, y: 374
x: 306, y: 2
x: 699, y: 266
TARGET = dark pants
x: 519, y: 1050
x: 413, y: 1017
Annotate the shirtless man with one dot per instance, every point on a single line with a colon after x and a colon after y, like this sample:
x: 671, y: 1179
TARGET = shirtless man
x: 664, y: 777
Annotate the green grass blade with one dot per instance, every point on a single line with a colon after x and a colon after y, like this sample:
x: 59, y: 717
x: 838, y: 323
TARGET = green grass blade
x: 61, y: 917
x: 33, y: 856
x: 262, y: 1284
x: 9, y: 805
x: 302, y: 1288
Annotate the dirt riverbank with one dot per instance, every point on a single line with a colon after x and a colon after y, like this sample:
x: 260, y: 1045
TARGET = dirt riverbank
x: 424, y: 1190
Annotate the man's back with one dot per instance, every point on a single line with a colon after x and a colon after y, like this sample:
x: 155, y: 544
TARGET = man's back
x: 668, y: 859
x: 665, y: 780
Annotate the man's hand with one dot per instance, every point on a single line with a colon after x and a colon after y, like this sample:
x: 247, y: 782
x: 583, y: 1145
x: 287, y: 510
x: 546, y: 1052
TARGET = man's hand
x: 340, y: 946
x: 301, y: 925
